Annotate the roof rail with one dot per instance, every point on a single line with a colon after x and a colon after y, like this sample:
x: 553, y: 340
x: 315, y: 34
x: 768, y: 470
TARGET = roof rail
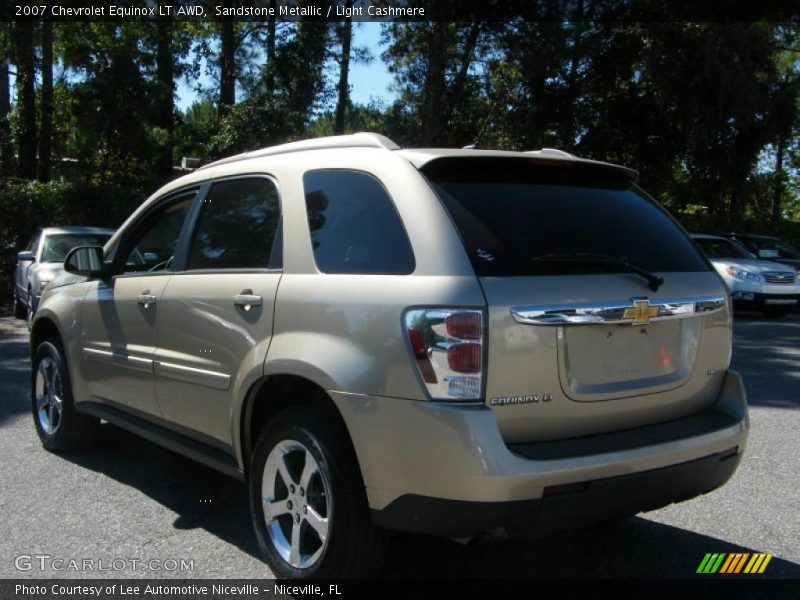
x: 551, y: 152
x: 362, y: 139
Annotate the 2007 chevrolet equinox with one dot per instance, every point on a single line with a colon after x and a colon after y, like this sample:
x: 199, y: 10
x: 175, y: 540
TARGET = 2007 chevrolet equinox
x: 451, y: 342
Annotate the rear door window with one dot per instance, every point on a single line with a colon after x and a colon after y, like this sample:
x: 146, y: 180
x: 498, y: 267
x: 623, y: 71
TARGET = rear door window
x: 511, y: 212
x: 354, y: 225
x: 238, y: 226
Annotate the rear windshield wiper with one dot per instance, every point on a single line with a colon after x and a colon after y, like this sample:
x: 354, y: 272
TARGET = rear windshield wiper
x: 653, y: 280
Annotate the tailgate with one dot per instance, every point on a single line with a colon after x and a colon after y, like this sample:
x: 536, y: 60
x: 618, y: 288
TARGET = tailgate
x: 620, y: 319
x: 571, y: 356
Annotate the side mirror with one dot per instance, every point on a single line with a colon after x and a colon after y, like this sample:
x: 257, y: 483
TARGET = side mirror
x: 25, y: 256
x: 86, y: 261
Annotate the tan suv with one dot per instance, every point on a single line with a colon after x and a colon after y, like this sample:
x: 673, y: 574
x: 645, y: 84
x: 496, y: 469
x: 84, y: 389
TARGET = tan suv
x: 452, y: 342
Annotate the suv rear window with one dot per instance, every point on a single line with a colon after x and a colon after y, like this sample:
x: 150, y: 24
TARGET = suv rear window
x: 354, y: 225
x: 510, y: 212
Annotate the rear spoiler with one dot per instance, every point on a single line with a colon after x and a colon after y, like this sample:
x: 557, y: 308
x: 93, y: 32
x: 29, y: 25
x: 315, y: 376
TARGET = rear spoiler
x: 441, y: 164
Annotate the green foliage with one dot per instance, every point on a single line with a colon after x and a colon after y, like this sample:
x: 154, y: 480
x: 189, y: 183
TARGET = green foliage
x: 195, y: 128
x: 28, y: 205
x: 360, y: 117
x: 691, y: 106
x: 254, y: 123
x: 708, y: 113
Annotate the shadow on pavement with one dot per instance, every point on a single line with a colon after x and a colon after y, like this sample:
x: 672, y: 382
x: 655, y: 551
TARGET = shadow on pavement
x: 772, y: 346
x: 14, y: 369
x: 203, y: 498
x: 200, y: 496
x: 635, y: 548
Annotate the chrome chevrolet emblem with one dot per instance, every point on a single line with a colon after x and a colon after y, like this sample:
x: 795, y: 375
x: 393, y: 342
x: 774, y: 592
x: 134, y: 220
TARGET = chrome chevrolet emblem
x: 641, y: 313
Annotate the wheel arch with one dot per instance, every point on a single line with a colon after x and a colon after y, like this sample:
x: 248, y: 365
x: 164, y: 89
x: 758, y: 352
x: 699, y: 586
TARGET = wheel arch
x: 44, y: 327
x: 58, y: 319
x: 271, y: 394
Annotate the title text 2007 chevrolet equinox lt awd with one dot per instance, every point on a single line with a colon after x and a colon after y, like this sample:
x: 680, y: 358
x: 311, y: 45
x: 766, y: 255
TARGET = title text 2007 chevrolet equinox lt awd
x: 451, y: 342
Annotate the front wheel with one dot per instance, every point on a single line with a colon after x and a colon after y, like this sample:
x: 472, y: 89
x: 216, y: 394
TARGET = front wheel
x: 30, y: 312
x: 59, y: 425
x: 307, y: 500
x: 19, y: 307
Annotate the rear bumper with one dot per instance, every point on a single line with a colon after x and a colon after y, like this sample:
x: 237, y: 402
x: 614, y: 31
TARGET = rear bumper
x: 445, y: 470
x: 562, y: 507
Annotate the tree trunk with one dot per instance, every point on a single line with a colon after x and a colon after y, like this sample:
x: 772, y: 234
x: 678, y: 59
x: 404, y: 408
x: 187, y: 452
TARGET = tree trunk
x: 26, y: 99
x: 466, y: 58
x: 777, y: 212
x: 6, y: 148
x: 227, y: 75
x: 456, y: 90
x: 165, y: 74
x: 271, y: 23
x: 572, y: 78
x: 434, y: 84
x: 46, y: 133
x: 344, y: 70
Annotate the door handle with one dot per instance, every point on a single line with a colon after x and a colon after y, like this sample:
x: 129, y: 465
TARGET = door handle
x: 247, y: 299
x: 146, y: 298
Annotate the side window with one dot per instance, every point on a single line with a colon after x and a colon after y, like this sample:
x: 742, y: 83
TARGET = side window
x: 238, y: 226
x: 153, y: 244
x: 354, y: 225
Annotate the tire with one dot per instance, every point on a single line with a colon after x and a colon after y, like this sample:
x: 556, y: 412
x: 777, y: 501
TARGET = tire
x: 20, y: 312
x: 30, y: 310
x: 333, y: 498
x: 59, y: 425
x: 776, y: 312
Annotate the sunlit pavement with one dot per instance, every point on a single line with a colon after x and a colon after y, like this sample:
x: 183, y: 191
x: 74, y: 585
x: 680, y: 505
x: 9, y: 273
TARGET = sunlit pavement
x: 129, y: 499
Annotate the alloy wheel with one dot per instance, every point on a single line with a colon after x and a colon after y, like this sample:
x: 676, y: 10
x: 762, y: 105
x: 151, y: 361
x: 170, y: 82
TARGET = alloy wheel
x: 29, y: 314
x: 297, y: 504
x: 49, y: 403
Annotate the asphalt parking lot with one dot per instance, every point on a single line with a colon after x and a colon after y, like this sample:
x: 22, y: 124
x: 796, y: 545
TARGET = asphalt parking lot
x: 129, y: 499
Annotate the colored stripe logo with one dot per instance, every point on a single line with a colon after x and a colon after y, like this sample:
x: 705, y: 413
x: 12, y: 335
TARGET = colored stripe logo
x: 737, y: 562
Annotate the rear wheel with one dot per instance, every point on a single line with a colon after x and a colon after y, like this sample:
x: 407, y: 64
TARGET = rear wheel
x: 59, y: 425
x: 19, y: 307
x: 307, y: 500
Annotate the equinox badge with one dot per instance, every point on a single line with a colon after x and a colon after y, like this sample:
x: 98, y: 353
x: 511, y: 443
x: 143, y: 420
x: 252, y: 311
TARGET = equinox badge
x: 529, y: 399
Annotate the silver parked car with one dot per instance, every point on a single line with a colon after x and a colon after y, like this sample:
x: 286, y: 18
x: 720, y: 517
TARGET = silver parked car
x: 452, y: 342
x: 770, y: 287
x: 41, y: 261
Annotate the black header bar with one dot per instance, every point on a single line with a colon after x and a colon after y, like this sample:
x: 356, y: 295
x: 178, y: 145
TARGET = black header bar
x: 405, y: 10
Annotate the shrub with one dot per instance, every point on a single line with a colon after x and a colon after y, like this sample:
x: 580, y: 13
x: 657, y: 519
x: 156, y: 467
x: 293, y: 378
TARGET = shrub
x: 26, y: 206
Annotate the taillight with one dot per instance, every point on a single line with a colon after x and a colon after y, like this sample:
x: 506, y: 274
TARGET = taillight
x: 465, y: 325
x: 464, y: 358
x: 447, y: 346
